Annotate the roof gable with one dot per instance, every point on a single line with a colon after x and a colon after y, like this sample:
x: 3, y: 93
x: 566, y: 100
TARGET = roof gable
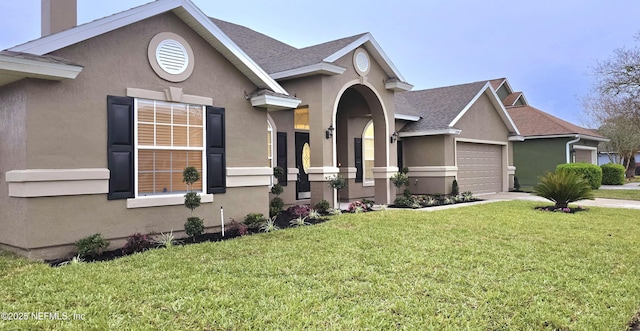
x: 441, y: 108
x: 534, y: 122
x: 283, y: 61
x: 185, y: 10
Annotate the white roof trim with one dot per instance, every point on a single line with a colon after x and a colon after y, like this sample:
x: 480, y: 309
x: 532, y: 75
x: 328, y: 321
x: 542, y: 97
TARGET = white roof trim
x: 568, y: 135
x: 450, y: 131
x: 184, y: 9
x: 322, y: 68
x: 398, y: 86
x: 496, y: 102
x: 17, y: 68
x: 407, y: 117
x: 377, y: 53
x: 516, y: 138
x: 274, y: 102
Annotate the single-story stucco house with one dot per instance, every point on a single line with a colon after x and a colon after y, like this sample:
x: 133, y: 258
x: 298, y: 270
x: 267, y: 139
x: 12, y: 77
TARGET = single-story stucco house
x: 547, y: 140
x: 99, y: 120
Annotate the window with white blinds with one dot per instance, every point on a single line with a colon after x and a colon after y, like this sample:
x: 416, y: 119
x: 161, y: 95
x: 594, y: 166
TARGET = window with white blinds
x: 169, y: 138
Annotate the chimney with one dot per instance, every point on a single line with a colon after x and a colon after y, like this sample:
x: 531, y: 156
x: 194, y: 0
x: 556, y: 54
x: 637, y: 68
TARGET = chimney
x: 58, y: 15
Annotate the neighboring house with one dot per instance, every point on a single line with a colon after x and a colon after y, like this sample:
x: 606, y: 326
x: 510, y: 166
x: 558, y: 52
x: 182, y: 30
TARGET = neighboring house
x: 458, y: 132
x: 547, y: 140
x: 99, y: 120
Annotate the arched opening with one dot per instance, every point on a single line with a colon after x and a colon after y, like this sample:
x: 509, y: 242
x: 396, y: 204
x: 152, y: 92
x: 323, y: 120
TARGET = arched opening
x: 362, y: 143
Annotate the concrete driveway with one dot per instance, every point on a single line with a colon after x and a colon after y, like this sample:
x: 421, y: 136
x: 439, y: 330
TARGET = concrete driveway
x: 628, y: 186
x: 599, y: 202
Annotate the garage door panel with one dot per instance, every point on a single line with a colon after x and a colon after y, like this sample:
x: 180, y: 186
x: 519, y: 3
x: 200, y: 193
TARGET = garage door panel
x: 479, y: 167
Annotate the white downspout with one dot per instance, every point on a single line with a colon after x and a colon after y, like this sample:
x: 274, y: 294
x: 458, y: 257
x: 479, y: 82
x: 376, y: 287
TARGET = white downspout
x: 569, y: 148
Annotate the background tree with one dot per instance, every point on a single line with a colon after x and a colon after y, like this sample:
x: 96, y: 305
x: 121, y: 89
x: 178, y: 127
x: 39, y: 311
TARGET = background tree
x: 613, y: 105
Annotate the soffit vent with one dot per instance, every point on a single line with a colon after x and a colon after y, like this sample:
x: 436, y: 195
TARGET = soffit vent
x: 172, y: 57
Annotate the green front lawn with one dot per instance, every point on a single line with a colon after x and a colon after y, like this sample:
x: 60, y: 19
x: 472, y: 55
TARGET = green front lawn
x: 486, y: 267
x: 617, y: 194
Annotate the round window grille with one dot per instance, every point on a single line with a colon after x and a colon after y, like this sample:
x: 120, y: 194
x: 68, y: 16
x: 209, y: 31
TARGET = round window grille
x: 362, y: 61
x: 172, y: 57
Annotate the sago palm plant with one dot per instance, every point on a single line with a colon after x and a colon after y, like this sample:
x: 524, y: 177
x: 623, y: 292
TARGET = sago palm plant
x: 563, y: 187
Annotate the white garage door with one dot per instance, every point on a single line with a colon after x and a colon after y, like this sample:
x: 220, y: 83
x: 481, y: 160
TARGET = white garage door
x: 479, y: 168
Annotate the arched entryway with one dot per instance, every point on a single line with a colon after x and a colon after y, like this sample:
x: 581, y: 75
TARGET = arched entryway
x: 361, y: 151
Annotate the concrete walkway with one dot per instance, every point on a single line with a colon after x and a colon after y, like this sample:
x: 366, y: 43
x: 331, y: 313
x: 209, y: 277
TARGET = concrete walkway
x: 599, y: 202
x: 628, y: 186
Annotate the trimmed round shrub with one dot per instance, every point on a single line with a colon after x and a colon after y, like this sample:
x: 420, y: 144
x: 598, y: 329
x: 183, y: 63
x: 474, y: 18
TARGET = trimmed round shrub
x: 612, y: 174
x: 590, y: 172
x: 194, y: 226
x: 277, y: 189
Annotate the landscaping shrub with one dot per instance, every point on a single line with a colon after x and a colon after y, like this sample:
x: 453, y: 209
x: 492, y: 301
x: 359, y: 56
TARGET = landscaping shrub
x: 323, y: 207
x: 278, y: 173
x: 137, y: 242
x: 612, y: 174
x: 563, y: 187
x: 299, y: 210
x: 590, y: 172
x: 516, y: 183
x: 194, y: 226
x: 455, y: 189
x: 275, y: 206
x: 337, y: 182
x: 91, y: 245
x: 277, y: 189
x: 254, y: 220
x: 357, y: 207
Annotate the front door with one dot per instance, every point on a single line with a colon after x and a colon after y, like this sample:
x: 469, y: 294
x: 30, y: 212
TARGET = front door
x: 303, y: 162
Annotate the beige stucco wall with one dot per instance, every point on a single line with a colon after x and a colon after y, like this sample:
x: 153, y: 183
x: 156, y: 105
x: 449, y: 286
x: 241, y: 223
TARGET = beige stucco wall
x: 322, y: 94
x: 67, y: 129
x: 481, y: 123
x: 13, y: 151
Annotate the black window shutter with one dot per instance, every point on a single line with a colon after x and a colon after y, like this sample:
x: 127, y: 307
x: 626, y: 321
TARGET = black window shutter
x: 357, y: 148
x: 216, y: 162
x: 282, y: 157
x: 400, y: 157
x: 120, y: 149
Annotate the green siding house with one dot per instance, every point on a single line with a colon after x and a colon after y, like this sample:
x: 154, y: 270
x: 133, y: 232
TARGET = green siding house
x: 546, y: 140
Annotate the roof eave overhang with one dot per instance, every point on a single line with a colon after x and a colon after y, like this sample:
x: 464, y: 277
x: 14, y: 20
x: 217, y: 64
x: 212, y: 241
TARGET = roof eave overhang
x: 568, y: 135
x: 410, y: 118
x: 322, y: 68
x: 274, y: 102
x: 185, y: 10
x: 437, y: 132
x: 13, y: 69
x: 516, y: 138
x: 398, y: 86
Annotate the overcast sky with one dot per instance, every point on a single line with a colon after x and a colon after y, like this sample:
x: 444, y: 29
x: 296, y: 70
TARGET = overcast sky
x: 545, y: 48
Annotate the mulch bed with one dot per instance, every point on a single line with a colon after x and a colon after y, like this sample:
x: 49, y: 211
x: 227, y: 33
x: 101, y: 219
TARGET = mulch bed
x: 560, y: 210
x: 231, y: 232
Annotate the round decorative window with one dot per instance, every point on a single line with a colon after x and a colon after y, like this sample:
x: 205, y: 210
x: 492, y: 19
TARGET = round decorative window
x: 171, y: 57
x: 361, y: 61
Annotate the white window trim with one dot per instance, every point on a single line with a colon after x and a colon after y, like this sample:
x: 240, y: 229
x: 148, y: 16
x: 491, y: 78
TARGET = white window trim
x: 270, y: 129
x: 140, y: 201
x: 367, y: 181
x: 594, y: 153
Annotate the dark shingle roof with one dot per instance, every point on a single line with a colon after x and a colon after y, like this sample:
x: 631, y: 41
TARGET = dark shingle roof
x: 534, y: 122
x: 275, y: 56
x: 437, y: 107
x: 511, y: 98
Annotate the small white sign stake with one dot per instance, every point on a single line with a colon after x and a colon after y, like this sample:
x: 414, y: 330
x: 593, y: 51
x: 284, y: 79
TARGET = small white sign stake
x: 222, y: 219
